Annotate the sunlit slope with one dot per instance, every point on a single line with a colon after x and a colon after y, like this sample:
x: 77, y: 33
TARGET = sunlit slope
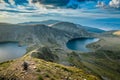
x: 41, y: 70
x: 105, y: 60
x: 117, y: 33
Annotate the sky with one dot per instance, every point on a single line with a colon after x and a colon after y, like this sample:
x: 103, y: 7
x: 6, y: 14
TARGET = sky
x: 103, y: 14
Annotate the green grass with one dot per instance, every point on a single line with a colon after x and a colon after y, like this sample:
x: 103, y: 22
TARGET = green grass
x: 5, y: 65
x: 101, y: 65
x: 40, y: 77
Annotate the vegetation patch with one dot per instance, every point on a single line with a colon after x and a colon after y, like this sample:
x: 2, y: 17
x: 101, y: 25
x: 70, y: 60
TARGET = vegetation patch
x: 117, y: 33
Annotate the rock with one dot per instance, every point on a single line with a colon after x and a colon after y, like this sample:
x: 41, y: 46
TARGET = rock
x: 34, y: 67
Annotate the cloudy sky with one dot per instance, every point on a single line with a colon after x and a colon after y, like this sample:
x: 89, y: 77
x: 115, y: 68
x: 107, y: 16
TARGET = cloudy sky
x: 106, y: 13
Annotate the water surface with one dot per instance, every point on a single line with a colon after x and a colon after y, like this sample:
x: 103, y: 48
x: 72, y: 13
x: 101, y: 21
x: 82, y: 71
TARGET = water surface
x: 11, y: 50
x: 80, y: 44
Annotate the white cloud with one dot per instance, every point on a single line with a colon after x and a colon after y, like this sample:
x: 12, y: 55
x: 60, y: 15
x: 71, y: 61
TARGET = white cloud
x: 115, y: 3
x: 12, y: 2
x: 100, y: 4
x: 3, y: 3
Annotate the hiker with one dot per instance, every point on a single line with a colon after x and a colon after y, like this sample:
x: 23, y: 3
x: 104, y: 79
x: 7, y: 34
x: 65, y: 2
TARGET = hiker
x: 25, y: 65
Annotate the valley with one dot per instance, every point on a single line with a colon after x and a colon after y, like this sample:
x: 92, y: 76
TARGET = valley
x: 47, y: 53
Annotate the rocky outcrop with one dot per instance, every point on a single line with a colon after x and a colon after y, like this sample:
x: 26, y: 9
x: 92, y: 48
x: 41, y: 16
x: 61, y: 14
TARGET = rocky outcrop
x: 45, y: 53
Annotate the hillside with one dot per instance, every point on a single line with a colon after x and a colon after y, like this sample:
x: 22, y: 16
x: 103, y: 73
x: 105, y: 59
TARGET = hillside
x: 46, y: 22
x: 117, y: 33
x: 75, y: 28
x: 69, y: 27
x: 41, y: 70
x: 36, y: 34
x: 91, y: 29
x: 61, y: 25
x: 47, y: 53
x: 106, y: 55
x: 44, y: 44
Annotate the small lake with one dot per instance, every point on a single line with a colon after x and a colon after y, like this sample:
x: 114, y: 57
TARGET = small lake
x: 81, y: 43
x: 11, y: 50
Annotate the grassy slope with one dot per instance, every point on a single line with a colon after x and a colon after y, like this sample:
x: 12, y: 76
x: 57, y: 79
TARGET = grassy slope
x: 105, y: 60
x: 117, y: 33
x: 41, y: 70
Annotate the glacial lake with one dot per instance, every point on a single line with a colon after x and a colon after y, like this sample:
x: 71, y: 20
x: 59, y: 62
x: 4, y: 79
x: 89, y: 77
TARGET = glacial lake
x: 11, y: 50
x: 81, y: 43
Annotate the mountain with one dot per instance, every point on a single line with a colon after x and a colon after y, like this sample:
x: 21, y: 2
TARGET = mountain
x: 34, y: 34
x: 47, y: 53
x: 37, y: 36
x: 75, y: 28
x: 91, y: 29
x: 61, y: 25
x: 69, y: 27
x: 46, y: 47
x: 39, y: 69
x: 46, y: 22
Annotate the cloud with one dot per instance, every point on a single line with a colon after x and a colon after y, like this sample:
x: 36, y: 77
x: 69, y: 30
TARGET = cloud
x: 39, y: 10
x: 52, y: 2
x: 115, y: 3
x: 12, y: 2
x: 100, y: 4
x: 73, y: 4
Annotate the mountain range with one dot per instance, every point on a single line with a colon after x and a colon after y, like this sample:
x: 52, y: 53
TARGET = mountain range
x: 49, y: 58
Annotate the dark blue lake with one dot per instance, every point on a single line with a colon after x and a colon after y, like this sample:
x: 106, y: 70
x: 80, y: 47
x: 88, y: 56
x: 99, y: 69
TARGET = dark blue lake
x: 80, y: 44
x: 11, y: 50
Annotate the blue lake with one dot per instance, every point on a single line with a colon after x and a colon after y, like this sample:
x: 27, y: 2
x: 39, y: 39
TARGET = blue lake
x: 80, y: 44
x: 11, y: 50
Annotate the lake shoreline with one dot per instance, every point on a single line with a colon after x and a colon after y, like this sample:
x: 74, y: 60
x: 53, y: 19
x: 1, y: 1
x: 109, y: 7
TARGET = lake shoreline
x: 80, y: 44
